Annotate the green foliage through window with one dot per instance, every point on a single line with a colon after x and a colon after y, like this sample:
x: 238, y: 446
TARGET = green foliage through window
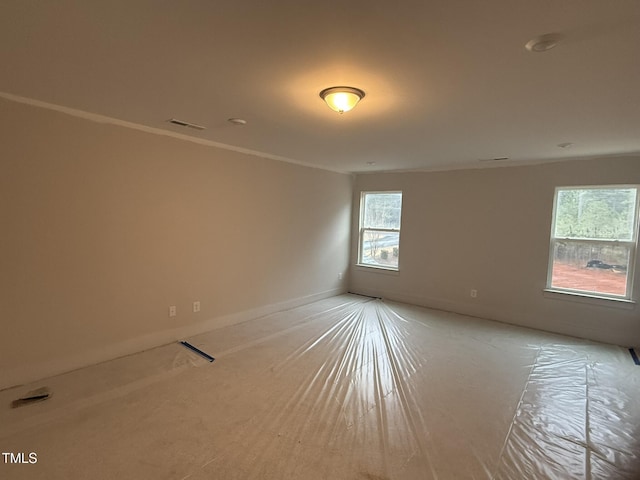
x: 594, y: 240
x: 606, y: 213
x: 380, y: 229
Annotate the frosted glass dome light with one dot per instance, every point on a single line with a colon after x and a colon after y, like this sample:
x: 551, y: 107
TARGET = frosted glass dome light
x: 341, y: 99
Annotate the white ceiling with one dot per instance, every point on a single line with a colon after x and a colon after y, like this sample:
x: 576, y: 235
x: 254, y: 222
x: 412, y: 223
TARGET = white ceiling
x: 448, y: 82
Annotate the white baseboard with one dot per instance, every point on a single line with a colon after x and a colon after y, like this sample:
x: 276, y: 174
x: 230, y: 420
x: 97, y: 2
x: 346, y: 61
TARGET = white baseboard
x: 586, y: 330
x: 33, y: 372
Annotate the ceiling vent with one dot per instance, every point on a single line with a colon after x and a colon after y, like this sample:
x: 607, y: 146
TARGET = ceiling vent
x: 497, y: 159
x: 182, y: 123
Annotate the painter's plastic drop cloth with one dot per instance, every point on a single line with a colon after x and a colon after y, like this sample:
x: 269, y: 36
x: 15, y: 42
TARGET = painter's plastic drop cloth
x: 345, y: 388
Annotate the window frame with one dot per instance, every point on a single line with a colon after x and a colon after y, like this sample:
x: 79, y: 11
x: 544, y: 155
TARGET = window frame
x: 362, y: 229
x: 631, y: 244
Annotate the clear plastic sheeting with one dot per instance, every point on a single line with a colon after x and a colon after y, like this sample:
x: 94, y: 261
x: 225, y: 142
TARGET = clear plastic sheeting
x: 345, y: 388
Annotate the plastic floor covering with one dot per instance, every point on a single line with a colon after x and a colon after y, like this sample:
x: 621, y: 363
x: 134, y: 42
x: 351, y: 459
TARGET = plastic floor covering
x: 344, y: 388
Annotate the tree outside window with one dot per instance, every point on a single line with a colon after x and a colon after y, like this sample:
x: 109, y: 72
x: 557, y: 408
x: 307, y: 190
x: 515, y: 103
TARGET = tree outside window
x: 593, y: 240
x: 380, y: 214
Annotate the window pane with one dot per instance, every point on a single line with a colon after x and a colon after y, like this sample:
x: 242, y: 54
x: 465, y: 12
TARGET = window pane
x: 380, y: 248
x: 590, y: 267
x: 382, y: 210
x: 604, y: 213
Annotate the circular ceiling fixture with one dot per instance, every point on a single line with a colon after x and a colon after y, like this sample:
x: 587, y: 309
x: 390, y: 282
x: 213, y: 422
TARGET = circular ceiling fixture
x: 237, y: 121
x: 341, y: 99
x: 544, y: 42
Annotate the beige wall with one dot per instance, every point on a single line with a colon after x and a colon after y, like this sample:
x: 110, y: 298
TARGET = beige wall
x: 104, y: 227
x: 489, y: 229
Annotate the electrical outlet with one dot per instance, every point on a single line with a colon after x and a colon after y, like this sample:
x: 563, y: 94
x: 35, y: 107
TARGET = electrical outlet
x: 340, y: 276
x: 196, y: 307
x: 173, y: 311
x: 474, y: 293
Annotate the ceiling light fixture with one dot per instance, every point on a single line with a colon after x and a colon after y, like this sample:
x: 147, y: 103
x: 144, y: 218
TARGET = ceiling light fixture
x: 341, y: 99
x: 543, y: 42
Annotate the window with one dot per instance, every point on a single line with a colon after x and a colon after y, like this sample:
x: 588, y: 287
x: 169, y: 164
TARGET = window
x: 380, y: 229
x: 594, y: 237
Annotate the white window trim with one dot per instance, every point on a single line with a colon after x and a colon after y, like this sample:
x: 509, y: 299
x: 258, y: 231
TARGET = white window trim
x: 362, y: 230
x: 631, y: 244
x: 584, y: 297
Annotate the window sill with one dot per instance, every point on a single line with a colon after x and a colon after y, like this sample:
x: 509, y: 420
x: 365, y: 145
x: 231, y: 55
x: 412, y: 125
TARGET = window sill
x: 589, y: 299
x: 377, y: 269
